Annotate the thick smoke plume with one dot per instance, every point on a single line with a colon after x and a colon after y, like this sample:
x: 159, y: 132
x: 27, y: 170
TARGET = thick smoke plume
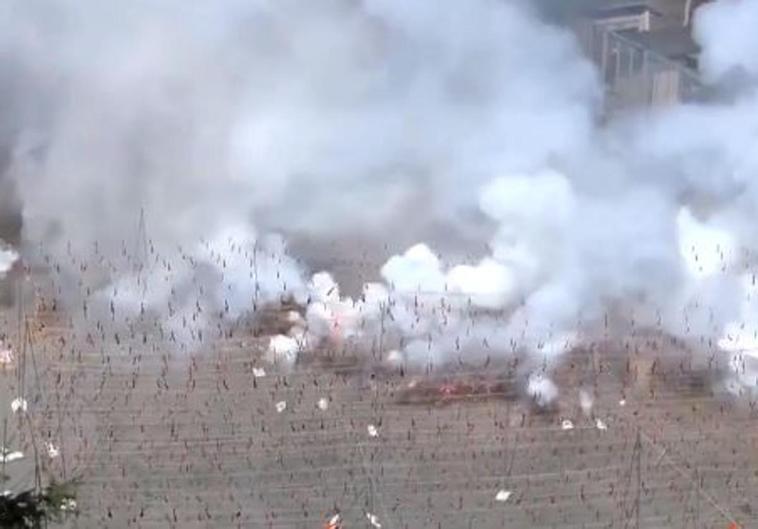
x: 381, y: 123
x: 305, y: 118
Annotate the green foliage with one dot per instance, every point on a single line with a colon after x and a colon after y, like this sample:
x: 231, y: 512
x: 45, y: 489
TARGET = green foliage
x: 22, y: 511
x: 30, y: 509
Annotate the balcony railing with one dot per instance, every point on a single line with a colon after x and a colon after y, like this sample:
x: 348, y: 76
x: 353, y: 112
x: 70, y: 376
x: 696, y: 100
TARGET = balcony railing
x: 635, y: 75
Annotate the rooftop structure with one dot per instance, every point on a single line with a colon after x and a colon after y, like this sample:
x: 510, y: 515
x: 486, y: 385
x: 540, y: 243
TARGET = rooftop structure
x: 646, y: 56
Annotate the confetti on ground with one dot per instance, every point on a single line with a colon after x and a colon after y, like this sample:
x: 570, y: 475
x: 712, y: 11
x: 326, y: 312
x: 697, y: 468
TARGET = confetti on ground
x: 334, y: 522
x: 373, y: 520
x: 52, y: 450
x: 18, y: 404
x: 6, y: 357
x: 68, y: 504
x: 503, y: 495
x: 11, y: 456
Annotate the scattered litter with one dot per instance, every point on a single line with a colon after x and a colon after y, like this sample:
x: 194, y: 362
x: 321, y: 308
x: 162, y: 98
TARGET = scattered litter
x: 281, y: 406
x: 566, y: 424
x: 6, y: 357
x: 622, y: 402
x: 334, y: 522
x: 18, y: 404
x: 373, y: 520
x: 323, y: 404
x: 7, y: 493
x: 52, y: 450
x: 372, y: 431
x: 600, y: 424
x: 259, y: 372
x: 68, y: 504
x: 11, y: 456
x: 503, y: 495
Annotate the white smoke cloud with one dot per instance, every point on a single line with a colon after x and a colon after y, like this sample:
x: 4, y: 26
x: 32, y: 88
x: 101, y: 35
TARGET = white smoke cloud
x: 401, y: 122
x: 7, y: 257
x: 418, y: 269
x: 293, y: 115
x: 542, y: 389
x: 572, y: 247
x: 726, y: 32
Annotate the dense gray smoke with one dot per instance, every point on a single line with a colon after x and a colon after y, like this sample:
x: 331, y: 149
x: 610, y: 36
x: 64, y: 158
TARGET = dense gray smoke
x: 389, y: 121
x: 306, y: 117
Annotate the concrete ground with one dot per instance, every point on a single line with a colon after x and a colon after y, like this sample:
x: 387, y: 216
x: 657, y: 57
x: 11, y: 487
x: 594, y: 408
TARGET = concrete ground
x: 161, y: 438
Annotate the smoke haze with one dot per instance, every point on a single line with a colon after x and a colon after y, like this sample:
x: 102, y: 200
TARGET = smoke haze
x: 396, y: 123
